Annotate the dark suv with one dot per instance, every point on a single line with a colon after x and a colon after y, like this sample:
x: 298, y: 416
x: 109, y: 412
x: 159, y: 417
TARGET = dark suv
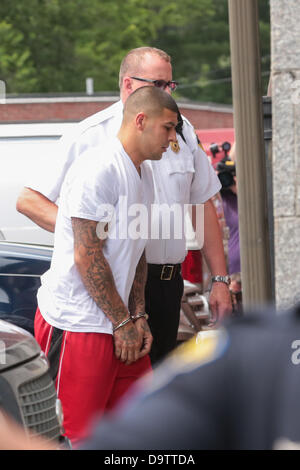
x: 21, y: 266
x: 27, y: 390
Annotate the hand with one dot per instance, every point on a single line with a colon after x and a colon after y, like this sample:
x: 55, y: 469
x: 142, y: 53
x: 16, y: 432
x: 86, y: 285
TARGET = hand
x: 147, y: 338
x: 128, y: 343
x: 220, y: 301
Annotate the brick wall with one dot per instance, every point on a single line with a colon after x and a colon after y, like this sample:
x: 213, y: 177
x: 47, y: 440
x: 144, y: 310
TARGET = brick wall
x: 208, y: 119
x: 76, y: 109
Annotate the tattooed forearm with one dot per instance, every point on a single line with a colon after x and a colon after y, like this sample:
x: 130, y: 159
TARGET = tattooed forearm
x: 95, y: 271
x: 137, y: 294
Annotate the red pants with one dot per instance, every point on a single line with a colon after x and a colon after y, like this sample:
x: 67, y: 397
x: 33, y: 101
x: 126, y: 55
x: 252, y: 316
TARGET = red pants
x: 191, y: 268
x: 90, y: 378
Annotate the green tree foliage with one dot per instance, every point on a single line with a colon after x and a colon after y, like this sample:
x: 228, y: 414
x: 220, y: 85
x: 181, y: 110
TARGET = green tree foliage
x: 53, y: 45
x: 264, y: 23
x: 16, y: 66
x: 200, y: 47
x: 48, y: 29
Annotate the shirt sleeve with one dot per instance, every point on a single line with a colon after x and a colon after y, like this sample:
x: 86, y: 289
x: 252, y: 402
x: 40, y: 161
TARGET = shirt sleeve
x: 50, y: 171
x: 91, y: 189
x: 205, y: 182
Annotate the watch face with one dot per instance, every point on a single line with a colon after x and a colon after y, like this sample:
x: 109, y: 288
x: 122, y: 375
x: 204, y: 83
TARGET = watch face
x: 225, y: 279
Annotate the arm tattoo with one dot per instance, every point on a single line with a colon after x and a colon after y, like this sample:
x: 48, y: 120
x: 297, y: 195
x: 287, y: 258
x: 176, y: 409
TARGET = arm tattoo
x: 95, y: 271
x: 137, y: 294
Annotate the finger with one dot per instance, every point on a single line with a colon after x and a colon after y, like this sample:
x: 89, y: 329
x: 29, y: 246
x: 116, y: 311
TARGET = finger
x: 143, y: 352
x: 117, y: 347
x: 130, y: 356
x: 124, y: 354
x: 146, y: 346
x: 214, y: 315
x: 118, y: 352
x: 137, y: 353
x: 224, y: 311
x: 213, y: 306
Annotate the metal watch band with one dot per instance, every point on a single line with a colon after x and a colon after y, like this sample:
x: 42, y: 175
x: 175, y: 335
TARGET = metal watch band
x: 225, y: 279
x: 140, y: 315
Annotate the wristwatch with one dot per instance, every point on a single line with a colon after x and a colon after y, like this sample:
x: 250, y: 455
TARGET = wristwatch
x: 225, y: 279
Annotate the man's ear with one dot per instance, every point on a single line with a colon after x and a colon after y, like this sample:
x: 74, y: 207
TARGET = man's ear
x: 140, y: 121
x: 127, y: 85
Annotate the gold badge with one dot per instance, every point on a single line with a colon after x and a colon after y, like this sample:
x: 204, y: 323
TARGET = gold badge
x: 175, y: 146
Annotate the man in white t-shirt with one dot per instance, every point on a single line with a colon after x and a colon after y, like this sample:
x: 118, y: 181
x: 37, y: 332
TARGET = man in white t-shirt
x: 84, y: 297
x: 183, y: 176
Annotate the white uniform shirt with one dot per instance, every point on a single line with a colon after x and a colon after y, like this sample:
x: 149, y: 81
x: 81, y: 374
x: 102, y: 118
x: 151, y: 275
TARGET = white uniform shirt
x: 186, y: 177
x: 102, y: 181
x: 180, y: 179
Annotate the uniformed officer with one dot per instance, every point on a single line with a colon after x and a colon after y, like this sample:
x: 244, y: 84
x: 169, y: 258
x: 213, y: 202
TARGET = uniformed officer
x: 237, y: 389
x: 184, y: 176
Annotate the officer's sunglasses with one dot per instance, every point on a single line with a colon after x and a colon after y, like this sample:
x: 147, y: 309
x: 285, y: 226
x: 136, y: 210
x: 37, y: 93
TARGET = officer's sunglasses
x: 159, y: 83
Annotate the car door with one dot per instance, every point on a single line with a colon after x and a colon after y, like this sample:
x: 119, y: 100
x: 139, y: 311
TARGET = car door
x: 20, y: 269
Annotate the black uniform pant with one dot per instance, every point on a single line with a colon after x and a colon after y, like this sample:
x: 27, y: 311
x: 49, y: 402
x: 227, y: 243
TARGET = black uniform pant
x: 163, y: 302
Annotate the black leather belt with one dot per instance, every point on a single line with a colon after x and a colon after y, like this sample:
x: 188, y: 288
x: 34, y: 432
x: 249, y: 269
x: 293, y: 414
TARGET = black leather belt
x: 165, y: 272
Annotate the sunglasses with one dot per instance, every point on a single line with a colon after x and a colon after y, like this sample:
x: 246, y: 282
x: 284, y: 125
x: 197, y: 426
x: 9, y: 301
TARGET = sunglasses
x: 159, y: 83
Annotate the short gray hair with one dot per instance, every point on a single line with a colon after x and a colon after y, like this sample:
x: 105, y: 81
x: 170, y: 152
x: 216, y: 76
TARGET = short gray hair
x: 133, y: 61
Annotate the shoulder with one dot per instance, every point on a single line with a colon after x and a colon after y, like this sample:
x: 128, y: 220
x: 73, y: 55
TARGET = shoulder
x: 92, y: 123
x: 187, y: 126
x: 92, y: 180
x: 101, y: 117
x: 189, y: 358
x: 190, y: 136
x: 95, y: 162
x: 186, y: 122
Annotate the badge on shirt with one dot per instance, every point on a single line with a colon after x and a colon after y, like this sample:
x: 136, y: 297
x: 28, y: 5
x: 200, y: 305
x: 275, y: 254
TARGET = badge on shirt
x: 175, y: 146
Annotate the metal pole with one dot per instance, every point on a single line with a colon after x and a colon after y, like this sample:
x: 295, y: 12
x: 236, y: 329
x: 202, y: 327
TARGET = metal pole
x: 250, y: 156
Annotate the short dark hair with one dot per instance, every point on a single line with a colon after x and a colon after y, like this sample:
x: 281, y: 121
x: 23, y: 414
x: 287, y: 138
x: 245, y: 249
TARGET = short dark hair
x: 151, y: 100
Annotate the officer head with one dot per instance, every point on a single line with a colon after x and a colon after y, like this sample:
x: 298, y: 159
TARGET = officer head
x: 145, y: 66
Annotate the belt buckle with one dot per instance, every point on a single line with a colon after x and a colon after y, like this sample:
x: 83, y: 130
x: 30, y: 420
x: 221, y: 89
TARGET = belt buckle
x: 163, y: 275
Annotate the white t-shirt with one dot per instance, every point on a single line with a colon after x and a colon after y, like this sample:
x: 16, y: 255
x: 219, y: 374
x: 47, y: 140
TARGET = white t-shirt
x: 103, y: 185
x: 186, y: 177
